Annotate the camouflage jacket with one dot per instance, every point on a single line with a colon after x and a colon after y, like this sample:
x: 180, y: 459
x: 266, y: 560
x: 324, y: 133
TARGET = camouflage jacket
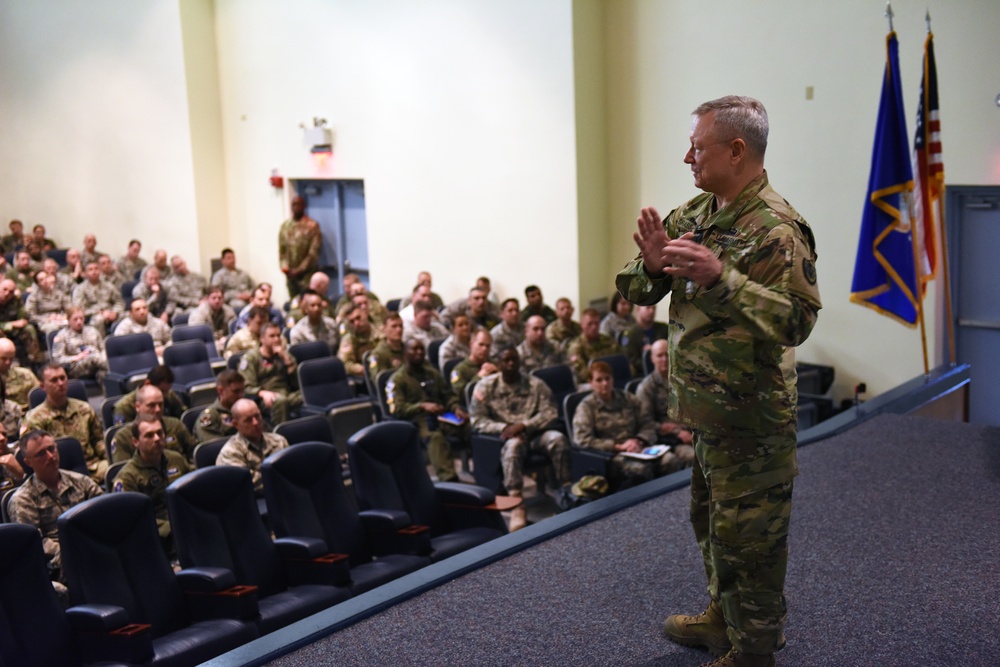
x: 241, y: 341
x: 548, y: 355
x: 77, y: 420
x: 154, y: 326
x: 384, y: 358
x: 562, y: 334
x: 215, y: 421
x: 186, y: 292
x: 353, y: 347
x: 129, y: 267
x: 125, y: 411
x: 581, y: 352
x: 461, y: 375
x: 267, y: 373
x: 305, y: 332
x: 233, y: 283
x: 152, y: 480
x: 95, y: 298
x: 68, y: 343
x: 299, y: 244
x: 451, y: 348
x: 600, y: 425
x: 635, y: 341
x: 20, y: 381
x: 219, y: 319
x: 504, y: 336
x: 496, y: 404
x: 176, y: 438
x: 406, y: 389
x: 243, y: 453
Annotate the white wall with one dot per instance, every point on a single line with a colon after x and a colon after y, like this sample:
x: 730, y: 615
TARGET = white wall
x: 95, y: 123
x: 667, y: 57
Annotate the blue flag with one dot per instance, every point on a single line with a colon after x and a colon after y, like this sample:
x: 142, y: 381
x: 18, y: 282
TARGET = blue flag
x: 885, y: 271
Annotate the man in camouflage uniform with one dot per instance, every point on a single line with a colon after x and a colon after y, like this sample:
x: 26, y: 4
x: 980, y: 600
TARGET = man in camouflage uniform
x: 654, y: 394
x: 80, y: 347
x: 69, y: 276
x: 476, y: 307
x: 23, y: 271
x: 418, y: 394
x: 474, y: 367
x: 739, y: 264
x: 270, y: 373
x: 639, y: 338
x: 590, y: 344
x: 458, y: 344
x: 15, y: 240
x: 89, y: 253
x: 535, y: 305
x: 388, y: 353
x: 160, y: 377
x: 151, y: 469
x: 161, y: 264
x: 251, y: 445
x: 176, y: 437
x: 315, y: 325
x: 109, y: 272
x: 247, y: 338
x: 61, y: 415
x: 46, y: 306
x: 360, y: 338
x: 424, y: 326
x: 130, y: 263
x: 157, y: 295
x: 299, y: 243
x: 519, y: 409
x: 510, y: 331
x: 140, y: 320
x: 39, y: 238
x: 236, y: 284
x: 536, y: 351
x: 47, y: 493
x: 18, y: 380
x: 214, y: 312
x: 102, y: 302
x: 563, y: 330
x: 216, y: 421
x: 185, y: 288
x: 15, y: 325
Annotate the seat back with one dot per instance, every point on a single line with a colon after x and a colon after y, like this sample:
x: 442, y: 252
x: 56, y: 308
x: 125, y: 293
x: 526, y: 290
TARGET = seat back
x: 433, y: 348
x: 131, y: 353
x: 315, y: 428
x: 383, y: 399
x: 633, y: 385
x: 29, y: 605
x: 560, y: 380
x: 369, y: 380
x: 570, y: 404
x: 189, y: 362
x: 216, y: 523
x: 621, y: 369
x: 70, y: 456
x: 306, y: 498
x: 180, y: 319
x: 108, y: 411
x: 323, y: 381
x: 449, y: 366
x: 346, y: 420
x: 388, y: 472
x: 206, y: 452
x: 112, y: 554
x: 199, y: 332
x: 315, y: 349
x: 190, y: 417
x: 74, y: 389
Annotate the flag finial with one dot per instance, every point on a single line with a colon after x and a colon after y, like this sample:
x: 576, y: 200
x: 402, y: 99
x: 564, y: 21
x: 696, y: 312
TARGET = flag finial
x: 927, y: 18
x: 889, y: 14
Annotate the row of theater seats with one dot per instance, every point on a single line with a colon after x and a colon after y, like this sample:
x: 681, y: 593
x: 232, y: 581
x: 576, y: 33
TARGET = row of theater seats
x: 130, y: 607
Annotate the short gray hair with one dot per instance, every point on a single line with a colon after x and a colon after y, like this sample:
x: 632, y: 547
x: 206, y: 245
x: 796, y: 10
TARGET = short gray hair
x: 739, y: 117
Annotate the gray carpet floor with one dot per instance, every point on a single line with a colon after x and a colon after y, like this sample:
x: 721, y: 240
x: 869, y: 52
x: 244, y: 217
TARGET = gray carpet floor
x: 895, y: 560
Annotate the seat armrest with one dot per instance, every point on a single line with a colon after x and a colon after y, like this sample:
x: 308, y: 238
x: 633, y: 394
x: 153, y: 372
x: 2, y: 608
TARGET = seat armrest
x: 104, y: 634
x: 300, y: 548
x: 393, y: 532
x: 205, y: 579
x: 307, y: 561
x: 384, y: 519
x: 97, y: 617
x: 212, y: 592
x: 453, y: 493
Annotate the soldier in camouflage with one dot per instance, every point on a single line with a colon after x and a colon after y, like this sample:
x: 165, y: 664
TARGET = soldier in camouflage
x: 214, y: 312
x: 519, y: 409
x: 388, y: 354
x: 739, y: 264
x: 46, y: 306
x: 654, y: 394
x: 563, y: 330
x: 589, y: 345
x: 11, y: 414
x: 160, y: 377
x: 89, y: 253
x: 475, y: 307
x: 185, y: 288
x: 157, y: 294
x: 150, y: 470
x: 418, y: 394
x: 251, y: 445
x: 130, y: 264
x: 619, y: 319
x: 61, y: 416
x: 456, y: 345
x: 536, y: 351
x: 140, y: 320
x: 18, y: 380
x: 176, y: 437
x: 299, y: 243
x: 535, y: 305
x: 80, y: 348
x: 102, y: 302
x: 109, y: 272
x: 14, y: 323
x: 510, y: 331
x: 23, y: 272
x: 47, y: 493
x: 315, y: 325
x: 424, y: 326
x: 216, y: 421
x: 269, y: 371
x: 237, y: 285
x: 640, y: 338
x: 474, y: 367
x: 247, y: 338
x: 15, y: 240
x: 360, y: 339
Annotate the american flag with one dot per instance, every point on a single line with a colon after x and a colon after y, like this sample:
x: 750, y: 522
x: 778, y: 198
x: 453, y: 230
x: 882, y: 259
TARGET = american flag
x: 928, y: 167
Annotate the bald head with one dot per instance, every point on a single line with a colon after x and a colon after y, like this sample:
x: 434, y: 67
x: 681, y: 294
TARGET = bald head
x: 660, y: 352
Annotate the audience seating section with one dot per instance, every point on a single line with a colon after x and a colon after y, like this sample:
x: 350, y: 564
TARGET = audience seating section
x: 130, y: 358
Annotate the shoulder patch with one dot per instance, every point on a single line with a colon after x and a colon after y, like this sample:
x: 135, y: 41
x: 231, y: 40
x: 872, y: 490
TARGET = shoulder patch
x: 809, y: 270
x: 119, y: 487
x: 455, y: 377
x: 243, y: 363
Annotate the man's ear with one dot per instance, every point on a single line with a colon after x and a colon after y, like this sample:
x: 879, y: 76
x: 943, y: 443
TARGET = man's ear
x: 737, y: 150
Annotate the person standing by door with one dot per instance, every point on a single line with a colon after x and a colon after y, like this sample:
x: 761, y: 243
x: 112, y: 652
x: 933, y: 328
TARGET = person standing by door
x: 299, y: 243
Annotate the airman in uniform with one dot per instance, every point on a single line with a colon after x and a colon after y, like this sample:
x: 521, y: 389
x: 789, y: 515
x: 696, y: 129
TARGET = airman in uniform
x: 46, y: 305
x: 269, y: 372
x: 388, y: 353
x: 176, y: 437
x: 360, y: 338
x: 299, y: 243
x: 510, y: 331
x: 160, y: 377
x: 130, y: 264
x: 14, y: 322
x: 536, y: 351
x: 654, y: 394
x: 563, y: 330
x: 474, y: 367
x: 185, y: 288
x: 315, y: 325
x: 102, y: 302
x: 237, y: 285
x: 19, y: 380
x: 251, y: 445
x: 216, y: 421
x: 590, y: 344
x: 80, y: 347
x: 636, y: 340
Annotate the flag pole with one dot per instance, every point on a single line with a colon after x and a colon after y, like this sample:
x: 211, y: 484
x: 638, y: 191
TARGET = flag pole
x: 889, y: 14
x: 949, y: 314
x: 919, y: 295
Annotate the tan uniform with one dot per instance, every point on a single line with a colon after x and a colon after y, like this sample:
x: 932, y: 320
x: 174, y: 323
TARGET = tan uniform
x: 47, y: 310
x: 20, y: 381
x: 68, y: 343
x: 94, y: 298
x: 78, y: 420
x: 581, y: 352
x: 243, y: 453
x: 154, y: 326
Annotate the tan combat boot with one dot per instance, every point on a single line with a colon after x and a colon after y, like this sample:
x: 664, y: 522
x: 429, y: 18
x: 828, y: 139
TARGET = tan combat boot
x: 707, y: 630
x: 736, y: 659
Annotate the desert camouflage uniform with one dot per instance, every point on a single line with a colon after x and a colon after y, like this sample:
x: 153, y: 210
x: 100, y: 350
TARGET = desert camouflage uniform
x: 489, y: 318
x: 129, y: 267
x: 271, y: 374
x: 65, y: 282
x: 77, y: 420
x: 68, y: 343
x: 125, y: 411
x: 41, y: 305
x: 437, y: 331
x: 581, y: 352
x: 451, y: 348
x: 549, y: 355
x: 165, y: 272
x: 11, y: 416
x: 462, y: 374
x: 115, y: 278
x: 635, y: 341
x: 654, y: 394
x: 241, y: 341
x: 186, y: 292
x: 233, y: 283
x: 89, y: 257
x: 305, y: 332
x: 496, y: 404
x: 154, y: 326
x: 243, y: 453
x: 561, y: 334
x: 215, y: 421
x: 504, y: 336
x: 152, y: 480
x: 405, y: 390
x: 26, y: 336
x: 612, y: 325
x: 176, y: 438
x: 37, y: 505
x: 299, y: 245
x: 353, y: 347
x: 94, y: 298
x: 20, y: 381
x: 726, y: 348
x: 384, y: 358
x: 161, y: 302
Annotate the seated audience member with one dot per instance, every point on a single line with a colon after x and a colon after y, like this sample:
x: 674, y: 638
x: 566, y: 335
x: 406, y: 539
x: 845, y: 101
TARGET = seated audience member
x: 611, y: 420
x: 269, y: 371
x: 251, y: 445
x: 44, y: 242
x: 80, y: 348
x: 22, y: 274
x: 457, y: 345
x: 535, y: 305
x: 353, y: 285
x: 315, y: 325
x: 216, y: 421
x: 519, y: 408
x: 641, y: 337
x: 361, y: 337
x: 237, y: 285
x: 160, y: 377
x: 654, y: 395
x: 15, y: 240
x: 262, y: 299
x: 359, y: 294
x: 620, y: 319
x: 590, y: 344
x: 151, y: 469
x: 475, y: 308
x: 423, y: 326
x: 65, y: 281
x: 47, y: 493
x: 14, y: 324
x: 46, y: 306
x: 149, y: 403
x: 424, y: 278
x: 161, y: 264
x: 156, y: 295
x: 139, y: 321
x: 421, y: 294
x: 361, y: 300
x: 10, y: 413
x: 130, y: 264
x: 388, y: 353
x: 214, y: 312
x: 11, y: 472
x: 510, y: 331
x: 247, y: 338
x: 73, y: 273
x: 185, y: 288
x: 418, y: 394
x: 319, y: 282
x: 492, y: 298
x: 61, y: 416
x: 18, y: 379
x: 89, y: 253
x: 102, y: 303
x: 474, y: 367
x: 36, y: 253
x: 109, y: 272
x: 536, y: 351
x: 563, y: 330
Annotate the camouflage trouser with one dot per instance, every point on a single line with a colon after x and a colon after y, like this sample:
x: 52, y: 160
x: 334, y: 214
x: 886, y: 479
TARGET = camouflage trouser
x: 741, y: 504
x: 283, y: 405
x: 91, y: 366
x: 438, y: 447
x: 297, y: 285
x: 514, y: 451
